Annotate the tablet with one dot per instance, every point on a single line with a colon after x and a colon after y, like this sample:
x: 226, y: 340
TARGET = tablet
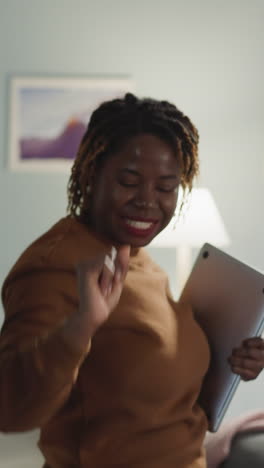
x: 227, y: 297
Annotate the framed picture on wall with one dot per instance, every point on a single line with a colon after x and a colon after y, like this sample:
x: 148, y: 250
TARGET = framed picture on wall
x: 48, y: 117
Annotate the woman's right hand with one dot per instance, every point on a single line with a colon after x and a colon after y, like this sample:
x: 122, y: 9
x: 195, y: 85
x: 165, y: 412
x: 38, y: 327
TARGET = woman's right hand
x: 100, y: 284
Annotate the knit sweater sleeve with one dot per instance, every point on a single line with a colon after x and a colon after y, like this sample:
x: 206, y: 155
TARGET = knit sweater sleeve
x: 38, y: 367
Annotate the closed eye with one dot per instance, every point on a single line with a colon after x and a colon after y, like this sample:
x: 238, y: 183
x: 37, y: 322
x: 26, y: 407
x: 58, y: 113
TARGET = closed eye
x: 167, y: 189
x: 128, y: 184
x: 160, y: 189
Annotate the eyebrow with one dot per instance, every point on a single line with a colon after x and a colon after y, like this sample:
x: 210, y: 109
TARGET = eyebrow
x: 136, y: 173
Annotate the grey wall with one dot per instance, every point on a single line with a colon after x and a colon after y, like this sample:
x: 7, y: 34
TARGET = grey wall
x: 204, y: 55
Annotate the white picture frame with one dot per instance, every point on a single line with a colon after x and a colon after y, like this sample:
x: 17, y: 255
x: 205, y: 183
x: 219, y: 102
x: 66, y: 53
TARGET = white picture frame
x: 49, y: 115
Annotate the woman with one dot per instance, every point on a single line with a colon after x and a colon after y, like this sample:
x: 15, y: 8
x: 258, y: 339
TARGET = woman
x: 108, y: 365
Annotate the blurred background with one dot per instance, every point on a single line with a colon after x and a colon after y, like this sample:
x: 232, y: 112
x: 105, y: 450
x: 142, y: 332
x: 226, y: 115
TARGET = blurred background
x: 206, y: 56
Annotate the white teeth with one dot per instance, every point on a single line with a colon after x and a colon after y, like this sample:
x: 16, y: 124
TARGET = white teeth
x: 138, y: 224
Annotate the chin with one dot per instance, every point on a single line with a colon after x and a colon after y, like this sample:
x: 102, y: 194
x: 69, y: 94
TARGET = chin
x: 139, y: 242
x: 134, y: 239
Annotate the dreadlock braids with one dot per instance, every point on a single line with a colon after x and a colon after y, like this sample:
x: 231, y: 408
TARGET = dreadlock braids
x: 112, y: 123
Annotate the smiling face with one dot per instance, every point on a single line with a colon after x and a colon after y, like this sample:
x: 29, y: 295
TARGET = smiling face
x: 135, y: 191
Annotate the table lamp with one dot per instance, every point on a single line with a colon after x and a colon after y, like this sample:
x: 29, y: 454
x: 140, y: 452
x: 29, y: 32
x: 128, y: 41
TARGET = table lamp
x: 200, y: 222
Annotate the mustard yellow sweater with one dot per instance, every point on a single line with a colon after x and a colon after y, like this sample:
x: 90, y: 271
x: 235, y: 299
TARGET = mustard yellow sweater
x: 130, y: 400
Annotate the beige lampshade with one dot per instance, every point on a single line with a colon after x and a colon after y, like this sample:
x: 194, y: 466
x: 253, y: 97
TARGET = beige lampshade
x: 200, y: 222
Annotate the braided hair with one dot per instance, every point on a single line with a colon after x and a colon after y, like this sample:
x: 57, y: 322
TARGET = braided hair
x: 112, y: 123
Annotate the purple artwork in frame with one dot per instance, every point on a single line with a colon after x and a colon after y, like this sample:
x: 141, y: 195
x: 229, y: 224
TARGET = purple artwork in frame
x: 48, y: 117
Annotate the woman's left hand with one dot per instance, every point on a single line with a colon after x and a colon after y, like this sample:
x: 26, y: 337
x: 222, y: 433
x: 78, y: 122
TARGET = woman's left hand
x: 248, y: 360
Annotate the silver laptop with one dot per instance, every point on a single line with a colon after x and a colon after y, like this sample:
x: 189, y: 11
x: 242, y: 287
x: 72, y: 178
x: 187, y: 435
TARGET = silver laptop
x: 227, y: 297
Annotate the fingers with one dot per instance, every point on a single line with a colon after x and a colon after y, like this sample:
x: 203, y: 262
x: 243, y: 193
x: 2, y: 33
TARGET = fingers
x: 245, y: 374
x: 122, y: 261
x: 108, y: 272
x: 114, y: 269
x: 251, y: 353
x: 245, y: 363
x: 109, y: 260
x: 248, y: 359
x: 87, y: 270
x: 255, y: 342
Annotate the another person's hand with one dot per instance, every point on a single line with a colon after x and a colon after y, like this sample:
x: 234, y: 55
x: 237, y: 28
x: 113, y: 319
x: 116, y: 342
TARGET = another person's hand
x: 248, y: 360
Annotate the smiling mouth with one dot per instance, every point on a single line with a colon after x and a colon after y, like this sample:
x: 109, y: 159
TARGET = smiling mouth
x: 139, y: 227
x: 139, y: 224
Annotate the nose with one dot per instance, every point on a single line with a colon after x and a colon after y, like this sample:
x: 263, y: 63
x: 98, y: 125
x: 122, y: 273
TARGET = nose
x: 146, y: 196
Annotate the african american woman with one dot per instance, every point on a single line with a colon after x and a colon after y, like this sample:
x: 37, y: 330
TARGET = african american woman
x: 94, y: 351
